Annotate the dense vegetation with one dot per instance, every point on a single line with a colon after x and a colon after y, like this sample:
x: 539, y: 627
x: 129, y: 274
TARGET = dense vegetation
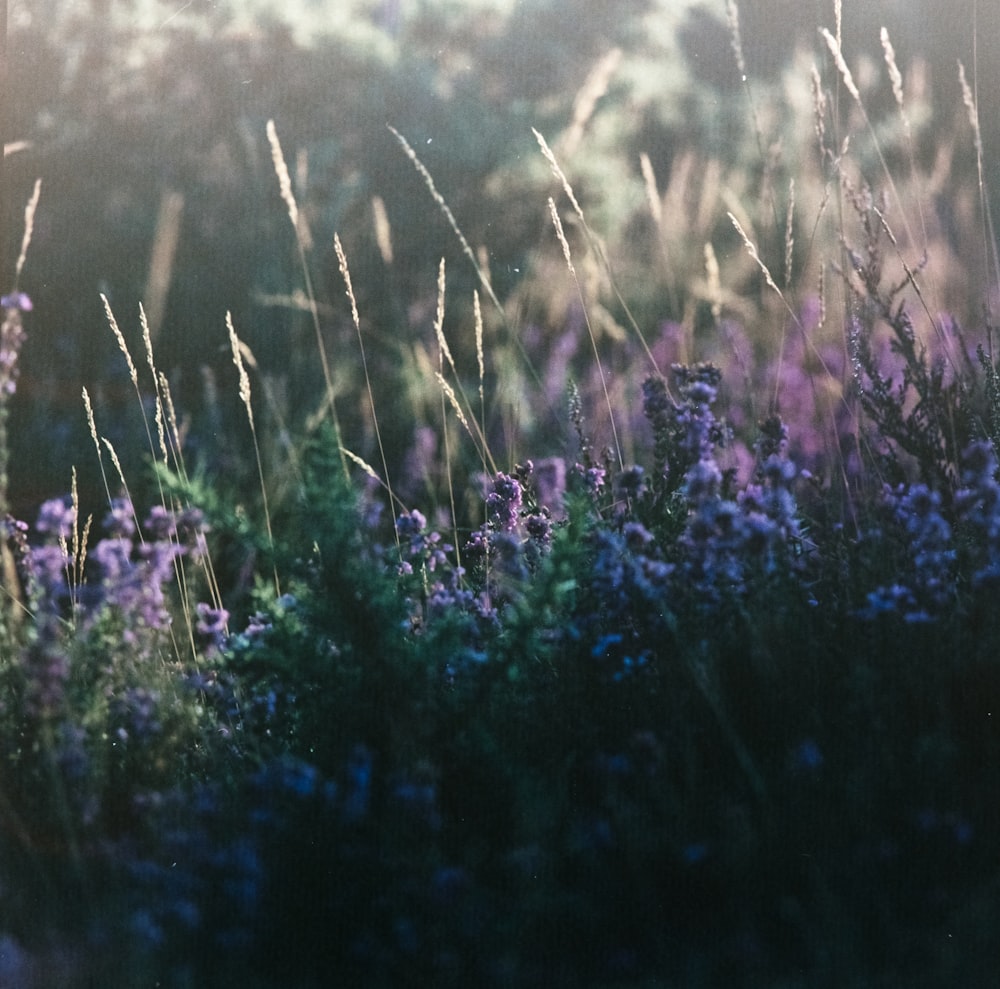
x: 578, y: 573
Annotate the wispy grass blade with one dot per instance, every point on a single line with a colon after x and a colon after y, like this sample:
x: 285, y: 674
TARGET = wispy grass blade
x: 244, y: 392
x: 594, y: 244
x: 567, y: 255
x: 448, y: 215
x: 288, y: 197
x: 29, y: 227
x: 345, y: 273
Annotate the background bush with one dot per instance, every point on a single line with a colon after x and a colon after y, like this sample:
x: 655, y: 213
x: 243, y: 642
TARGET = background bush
x: 141, y: 115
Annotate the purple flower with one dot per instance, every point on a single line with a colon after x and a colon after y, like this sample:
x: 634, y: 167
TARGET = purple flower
x: 114, y: 557
x: 410, y: 524
x: 503, y: 503
x: 12, y: 336
x: 632, y: 482
x: 56, y: 518
x: 656, y: 402
x: 637, y: 536
x: 418, y: 545
x: 539, y: 528
x: 48, y: 567
x: 186, y: 527
x: 135, y: 714
x: 922, y: 593
x: 978, y: 505
x: 17, y: 300
x: 120, y: 520
x: 593, y: 477
x: 211, y: 622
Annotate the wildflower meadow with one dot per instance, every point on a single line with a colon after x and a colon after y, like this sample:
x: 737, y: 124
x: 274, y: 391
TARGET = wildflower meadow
x: 514, y: 531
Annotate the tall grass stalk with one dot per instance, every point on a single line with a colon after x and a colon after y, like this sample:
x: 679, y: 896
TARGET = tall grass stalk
x: 29, y: 227
x: 92, y: 426
x: 288, y: 197
x: 479, y: 264
x: 449, y: 216
x: 12, y: 603
x: 158, y: 448
x: 988, y: 232
x: 595, y: 245
x: 345, y: 273
x: 244, y: 386
x: 444, y: 351
x: 560, y: 233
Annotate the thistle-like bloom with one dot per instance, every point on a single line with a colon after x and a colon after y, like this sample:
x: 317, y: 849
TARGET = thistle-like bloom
x: 503, y: 503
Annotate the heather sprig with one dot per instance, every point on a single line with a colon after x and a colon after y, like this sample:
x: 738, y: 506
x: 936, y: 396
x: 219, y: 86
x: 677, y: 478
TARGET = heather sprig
x: 923, y: 401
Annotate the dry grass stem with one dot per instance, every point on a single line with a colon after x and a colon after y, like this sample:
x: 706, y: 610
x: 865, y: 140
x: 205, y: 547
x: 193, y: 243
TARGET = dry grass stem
x: 557, y: 223
x: 453, y: 400
x: 652, y: 193
x: 345, y: 273
x: 244, y: 378
x: 480, y: 360
x: 244, y: 392
x: 91, y: 424
x: 819, y: 110
x: 365, y: 466
x: 752, y: 251
x: 713, y: 280
x: 895, y: 76
x: 735, y: 39
x: 594, y: 88
x: 122, y: 346
x: 175, y: 432
x: 281, y: 170
x: 383, y: 232
x: 790, y: 233
x: 439, y: 320
x: 113, y: 453
x: 838, y: 57
x: 29, y: 228
x: 558, y: 172
x: 448, y: 215
x: 969, y: 102
x: 302, y: 241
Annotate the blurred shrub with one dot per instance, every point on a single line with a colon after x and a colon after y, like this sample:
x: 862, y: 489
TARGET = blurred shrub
x: 147, y: 126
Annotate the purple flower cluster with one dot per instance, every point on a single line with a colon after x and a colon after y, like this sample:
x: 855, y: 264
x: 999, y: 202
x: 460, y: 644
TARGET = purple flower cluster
x: 422, y: 549
x: 925, y: 587
x: 12, y: 337
x: 629, y: 578
x: 978, y: 505
x: 518, y: 530
x: 924, y: 593
x: 725, y: 537
x: 129, y: 576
